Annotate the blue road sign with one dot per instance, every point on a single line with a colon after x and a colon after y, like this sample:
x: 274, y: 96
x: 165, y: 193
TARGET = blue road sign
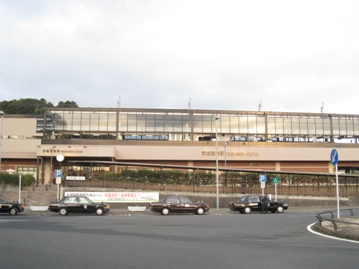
x: 334, y: 157
x: 262, y: 178
x: 58, y: 173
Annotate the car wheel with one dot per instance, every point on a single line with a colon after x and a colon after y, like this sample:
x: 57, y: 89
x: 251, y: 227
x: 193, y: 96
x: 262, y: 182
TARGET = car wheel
x: 165, y: 211
x: 280, y: 209
x: 63, y: 211
x: 247, y: 210
x: 99, y: 211
x: 13, y: 211
x: 200, y: 211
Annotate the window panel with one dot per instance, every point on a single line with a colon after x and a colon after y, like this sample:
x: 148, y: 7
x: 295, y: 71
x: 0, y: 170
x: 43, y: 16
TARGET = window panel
x: 233, y: 124
x: 243, y: 124
x: 177, y: 123
x: 207, y: 124
x: 197, y: 124
x: 186, y: 119
x: 319, y: 126
x: 150, y: 122
x: 326, y: 126
x: 287, y: 125
x: 295, y: 125
x: 160, y: 123
x: 261, y: 125
x: 303, y: 126
x: 122, y: 122
x: 279, y: 126
x: 271, y: 125
x: 311, y: 127
x: 224, y: 124
x: 131, y: 123
x: 343, y: 126
x: 252, y: 124
x: 336, y: 127
x: 350, y: 127
x: 140, y: 123
x: 94, y: 121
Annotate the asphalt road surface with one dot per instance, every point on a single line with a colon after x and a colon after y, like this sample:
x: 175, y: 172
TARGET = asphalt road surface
x: 147, y: 241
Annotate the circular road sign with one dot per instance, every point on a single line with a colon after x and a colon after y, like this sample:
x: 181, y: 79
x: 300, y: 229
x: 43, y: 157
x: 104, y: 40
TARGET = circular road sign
x: 60, y: 158
x: 334, y: 157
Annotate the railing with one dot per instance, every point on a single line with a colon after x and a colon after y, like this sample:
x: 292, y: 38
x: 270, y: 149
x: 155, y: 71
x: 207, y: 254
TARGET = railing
x: 331, y: 216
x: 319, y: 190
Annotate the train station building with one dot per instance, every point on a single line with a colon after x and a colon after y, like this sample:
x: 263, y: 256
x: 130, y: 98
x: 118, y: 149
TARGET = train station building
x: 73, y: 139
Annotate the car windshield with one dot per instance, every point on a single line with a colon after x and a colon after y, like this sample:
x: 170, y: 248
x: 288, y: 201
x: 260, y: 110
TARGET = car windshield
x: 70, y: 200
x: 185, y: 200
x: 2, y: 201
x: 173, y: 200
x: 244, y: 198
x: 84, y: 200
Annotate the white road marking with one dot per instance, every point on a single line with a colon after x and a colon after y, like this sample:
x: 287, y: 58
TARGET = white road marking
x: 309, y: 228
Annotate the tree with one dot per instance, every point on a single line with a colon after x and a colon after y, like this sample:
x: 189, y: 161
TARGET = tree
x: 31, y: 106
x: 67, y: 104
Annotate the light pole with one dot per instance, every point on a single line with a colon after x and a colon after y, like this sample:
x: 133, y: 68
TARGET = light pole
x: 225, y: 154
x: 1, y: 130
x: 51, y: 169
x: 217, y: 185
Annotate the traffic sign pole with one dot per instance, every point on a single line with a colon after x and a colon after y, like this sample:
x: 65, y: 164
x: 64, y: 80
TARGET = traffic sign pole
x: 262, y: 180
x: 334, y: 158
x: 275, y: 181
x: 337, y: 182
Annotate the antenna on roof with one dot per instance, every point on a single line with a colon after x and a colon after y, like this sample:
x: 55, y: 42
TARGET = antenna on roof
x: 119, y: 102
x: 260, y: 105
x: 322, y: 108
x: 189, y: 103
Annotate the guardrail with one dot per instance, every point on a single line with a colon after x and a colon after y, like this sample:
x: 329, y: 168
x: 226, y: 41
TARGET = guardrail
x: 331, y: 216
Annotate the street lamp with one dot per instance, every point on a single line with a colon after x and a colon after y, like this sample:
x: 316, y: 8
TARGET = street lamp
x: 217, y: 185
x: 1, y: 130
x: 225, y: 154
x: 51, y: 168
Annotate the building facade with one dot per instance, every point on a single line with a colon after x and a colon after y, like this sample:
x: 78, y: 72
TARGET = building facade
x: 251, y: 140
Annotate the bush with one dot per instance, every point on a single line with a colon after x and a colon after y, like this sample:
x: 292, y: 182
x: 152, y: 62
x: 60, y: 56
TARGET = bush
x: 13, y: 180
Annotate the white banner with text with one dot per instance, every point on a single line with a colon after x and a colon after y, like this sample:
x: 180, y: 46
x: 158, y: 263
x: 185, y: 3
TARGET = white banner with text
x: 118, y: 197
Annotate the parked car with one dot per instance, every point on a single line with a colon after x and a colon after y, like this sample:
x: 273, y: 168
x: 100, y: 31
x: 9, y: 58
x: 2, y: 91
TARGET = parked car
x: 78, y: 204
x: 179, y: 204
x: 11, y: 207
x: 249, y: 203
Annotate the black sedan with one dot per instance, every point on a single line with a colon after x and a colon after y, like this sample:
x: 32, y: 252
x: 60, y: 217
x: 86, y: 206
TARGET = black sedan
x: 78, y: 204
x: 11, y: 208
x: 249, y: 203
x: 179, y: 204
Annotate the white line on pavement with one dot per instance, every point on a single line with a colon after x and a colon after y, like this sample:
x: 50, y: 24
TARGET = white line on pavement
x: 309, y: 228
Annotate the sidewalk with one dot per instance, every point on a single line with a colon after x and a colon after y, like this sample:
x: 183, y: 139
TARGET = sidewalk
x: 347, y: 228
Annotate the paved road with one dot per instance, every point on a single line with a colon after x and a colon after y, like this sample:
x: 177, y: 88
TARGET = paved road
x: 176, y: 241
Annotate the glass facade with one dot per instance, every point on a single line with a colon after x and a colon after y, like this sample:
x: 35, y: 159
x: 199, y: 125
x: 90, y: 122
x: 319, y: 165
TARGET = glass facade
x: 196, y: 125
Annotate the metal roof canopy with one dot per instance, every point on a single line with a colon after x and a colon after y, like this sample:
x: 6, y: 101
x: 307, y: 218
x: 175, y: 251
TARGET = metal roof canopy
x: 206, y: 168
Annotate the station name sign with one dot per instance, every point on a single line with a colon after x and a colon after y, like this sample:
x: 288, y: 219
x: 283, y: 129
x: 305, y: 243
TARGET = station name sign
x: 231, y: 153
x: 75, y: 178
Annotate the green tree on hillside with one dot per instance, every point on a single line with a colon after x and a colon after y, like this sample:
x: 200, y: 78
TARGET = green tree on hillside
x: 30, y: 106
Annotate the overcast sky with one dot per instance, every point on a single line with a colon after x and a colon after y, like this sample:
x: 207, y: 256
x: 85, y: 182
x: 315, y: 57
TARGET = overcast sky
x: 285, y: 55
